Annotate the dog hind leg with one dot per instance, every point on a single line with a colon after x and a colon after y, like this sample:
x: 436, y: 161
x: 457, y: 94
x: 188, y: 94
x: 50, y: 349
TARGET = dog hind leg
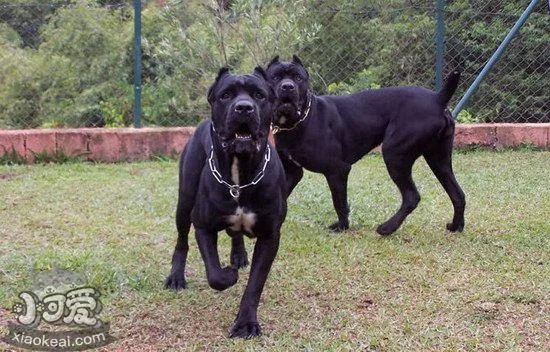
x: 439, y: 158
x: 238, y: 257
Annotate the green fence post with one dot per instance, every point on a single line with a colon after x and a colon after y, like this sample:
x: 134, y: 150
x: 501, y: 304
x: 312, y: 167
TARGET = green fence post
x: 137, y: 63
x: 439, y: 44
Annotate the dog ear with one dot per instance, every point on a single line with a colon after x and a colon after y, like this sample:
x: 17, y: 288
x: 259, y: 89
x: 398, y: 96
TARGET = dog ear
x: 273, y: 61
x: 296, y: 60
x: 259, y: 71
x: 222, y: 72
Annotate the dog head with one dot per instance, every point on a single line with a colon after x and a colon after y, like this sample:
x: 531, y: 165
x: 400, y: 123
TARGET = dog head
x: 242, y: 110
x: 290, y: 82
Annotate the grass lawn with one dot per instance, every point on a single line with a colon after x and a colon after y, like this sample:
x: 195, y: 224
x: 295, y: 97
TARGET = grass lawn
x: 421, y: 289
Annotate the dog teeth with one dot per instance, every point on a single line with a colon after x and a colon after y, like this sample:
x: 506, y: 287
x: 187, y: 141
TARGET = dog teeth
x: 243, y: 136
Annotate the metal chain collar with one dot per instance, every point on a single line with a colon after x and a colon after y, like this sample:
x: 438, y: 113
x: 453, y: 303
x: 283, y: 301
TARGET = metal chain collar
x: 235, y: 190
x: 277, y: 129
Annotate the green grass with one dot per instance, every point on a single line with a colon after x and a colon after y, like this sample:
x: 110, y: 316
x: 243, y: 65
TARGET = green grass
x: 421, y: 289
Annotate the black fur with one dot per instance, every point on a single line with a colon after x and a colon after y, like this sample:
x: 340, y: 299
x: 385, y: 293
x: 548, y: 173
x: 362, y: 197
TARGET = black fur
x: 240, y: 105
x: 340, y: 130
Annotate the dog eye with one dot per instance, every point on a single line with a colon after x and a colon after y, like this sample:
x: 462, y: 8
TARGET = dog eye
x: 298, y: 78
x: 277, y: 78
x: 259, y: 96
x: 225, y: 96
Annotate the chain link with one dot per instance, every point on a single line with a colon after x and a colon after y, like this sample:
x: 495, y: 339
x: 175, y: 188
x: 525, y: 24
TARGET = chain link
x: 235, y: 190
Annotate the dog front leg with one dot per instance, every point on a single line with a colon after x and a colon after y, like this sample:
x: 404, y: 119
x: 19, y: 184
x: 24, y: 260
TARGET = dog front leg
x: 176, y: 279
x: 338, y: 184
x: 218, y: 278
x: 294, y: 172
x: 192, y: 161
x: 246, y: 324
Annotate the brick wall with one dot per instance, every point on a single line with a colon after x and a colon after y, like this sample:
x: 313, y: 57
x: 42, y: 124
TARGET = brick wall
x: 129, y: 144
x: 96, y: 144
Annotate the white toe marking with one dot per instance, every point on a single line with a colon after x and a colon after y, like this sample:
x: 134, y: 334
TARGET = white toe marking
x: 241, y: 220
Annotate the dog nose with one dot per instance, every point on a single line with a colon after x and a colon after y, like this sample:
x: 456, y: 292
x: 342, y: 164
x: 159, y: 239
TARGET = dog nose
x: 287, y: 86
x: 244, y: 106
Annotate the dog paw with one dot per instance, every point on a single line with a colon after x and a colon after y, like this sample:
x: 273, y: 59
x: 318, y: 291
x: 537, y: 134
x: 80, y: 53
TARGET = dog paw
x: 455, y: 227
x: 224, y: 279
x: 239, y: 259
x: 386, y: 229
x: 175, y: 282
x: 245, y: 330
x: 338, y: 226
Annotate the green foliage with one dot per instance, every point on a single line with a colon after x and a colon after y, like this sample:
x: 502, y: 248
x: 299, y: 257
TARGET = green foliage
x: 79, y: 65
x: 464, y: 116
x: 516, y: 90
x: 366, y: 79
x: 70, y: 62
x: 12, y: 158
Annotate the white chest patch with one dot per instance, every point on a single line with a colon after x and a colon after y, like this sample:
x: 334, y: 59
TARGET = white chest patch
x: 241, y: 220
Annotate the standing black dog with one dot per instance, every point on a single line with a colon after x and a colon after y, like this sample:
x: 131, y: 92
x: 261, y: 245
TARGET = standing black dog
x: 231, y: 178
x: 327, y: 134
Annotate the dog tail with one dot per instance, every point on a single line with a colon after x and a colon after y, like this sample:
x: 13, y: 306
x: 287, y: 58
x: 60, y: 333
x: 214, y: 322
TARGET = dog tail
x: 445, y: 94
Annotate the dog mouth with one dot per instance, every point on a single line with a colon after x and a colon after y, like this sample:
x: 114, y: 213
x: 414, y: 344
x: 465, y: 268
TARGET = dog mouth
x: 286, y: 111
x: 243, y: 133
x: 243, y: 137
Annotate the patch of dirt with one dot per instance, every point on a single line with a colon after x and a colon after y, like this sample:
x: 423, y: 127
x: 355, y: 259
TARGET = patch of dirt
x: 5, y: 316
x: 7, y: 176
x: 530, y: 320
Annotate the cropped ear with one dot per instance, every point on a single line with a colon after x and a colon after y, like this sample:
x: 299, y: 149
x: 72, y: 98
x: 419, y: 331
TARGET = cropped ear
x: 273, y: 61
x: 259, y: 71
x: 296, y: 60
x: 222, y: 72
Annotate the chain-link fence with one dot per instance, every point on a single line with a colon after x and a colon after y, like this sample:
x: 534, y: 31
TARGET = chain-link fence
x: 70, y: 62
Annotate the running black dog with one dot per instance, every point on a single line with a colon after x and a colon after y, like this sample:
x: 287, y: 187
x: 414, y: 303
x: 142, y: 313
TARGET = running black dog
x: 231, y: 179
x: 327, y: 134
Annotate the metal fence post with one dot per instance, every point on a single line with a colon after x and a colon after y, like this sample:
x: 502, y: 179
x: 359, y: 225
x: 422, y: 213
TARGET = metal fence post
x: 137, y: 63
x: 495, y: 57
x: 439, y: 44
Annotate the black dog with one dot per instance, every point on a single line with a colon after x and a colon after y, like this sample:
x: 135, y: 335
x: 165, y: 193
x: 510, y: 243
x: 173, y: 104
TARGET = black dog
x: 327, y: 134
x: 231, y: 178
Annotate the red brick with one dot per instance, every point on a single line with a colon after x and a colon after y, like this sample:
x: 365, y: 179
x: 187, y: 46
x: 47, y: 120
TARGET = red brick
x: 177, y: 138
x: 480, y: 134
x: 134, y: 144
x: 72, y: 142
x: 158, y: 139
x: 528, y: 133
x: 104, y: 145
x: 12, y: 141
x: 39, y: 142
